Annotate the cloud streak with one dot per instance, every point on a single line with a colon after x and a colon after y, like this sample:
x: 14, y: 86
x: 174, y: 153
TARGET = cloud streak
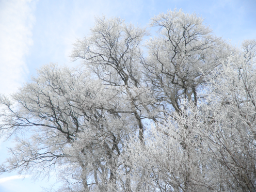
x: 5, y: 179
x: 16, y: 22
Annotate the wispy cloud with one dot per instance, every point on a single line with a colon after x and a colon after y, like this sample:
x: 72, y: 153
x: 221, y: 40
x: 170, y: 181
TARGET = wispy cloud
x: 5, y: 179
x: 16, y: 22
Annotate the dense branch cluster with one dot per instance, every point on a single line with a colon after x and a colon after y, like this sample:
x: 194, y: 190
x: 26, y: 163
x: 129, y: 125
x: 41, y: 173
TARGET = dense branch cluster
x: 175, y: 112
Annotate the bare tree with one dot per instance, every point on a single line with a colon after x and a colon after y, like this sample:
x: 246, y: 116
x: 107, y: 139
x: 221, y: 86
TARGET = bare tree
x: 92, y: 124
x: 184, y: 52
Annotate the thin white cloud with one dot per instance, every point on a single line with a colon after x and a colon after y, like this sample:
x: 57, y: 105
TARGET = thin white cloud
x: 16, y: 21
x: 5, y: 179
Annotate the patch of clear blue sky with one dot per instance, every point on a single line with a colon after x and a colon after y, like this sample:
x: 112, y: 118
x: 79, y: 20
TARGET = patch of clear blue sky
x: 59, y: 23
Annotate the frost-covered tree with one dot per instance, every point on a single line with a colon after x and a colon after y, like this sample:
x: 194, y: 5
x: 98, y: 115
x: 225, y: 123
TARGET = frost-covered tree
x: 179, y: 58
x: 113, y: 54
x: 209, y: 147
x: 177, y: 117
x: 57, y: 112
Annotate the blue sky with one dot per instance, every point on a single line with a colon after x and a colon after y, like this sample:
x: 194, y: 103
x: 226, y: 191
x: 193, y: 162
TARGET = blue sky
x: 38, y: 32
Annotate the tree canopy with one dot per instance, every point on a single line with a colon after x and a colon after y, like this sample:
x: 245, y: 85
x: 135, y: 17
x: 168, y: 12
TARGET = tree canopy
x: 171, y: 112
